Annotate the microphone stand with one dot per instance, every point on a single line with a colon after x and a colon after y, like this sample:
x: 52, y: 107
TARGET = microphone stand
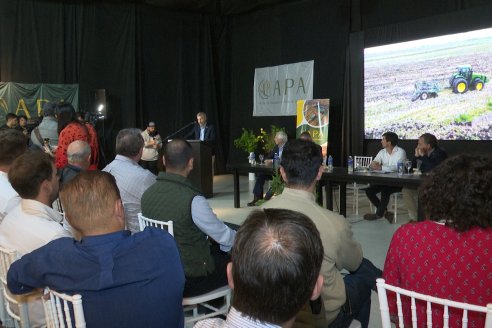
x: 179, y: 131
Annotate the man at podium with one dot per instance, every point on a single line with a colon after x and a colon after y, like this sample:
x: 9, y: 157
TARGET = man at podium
x: 204, y: 132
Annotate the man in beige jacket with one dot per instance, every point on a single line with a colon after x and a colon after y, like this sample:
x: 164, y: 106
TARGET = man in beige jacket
x: 344, y: 298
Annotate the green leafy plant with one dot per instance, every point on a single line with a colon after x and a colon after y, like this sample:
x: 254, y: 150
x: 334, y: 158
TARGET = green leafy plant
x: 277, y: 185
x: 247, y: 141
x: 268, y: 139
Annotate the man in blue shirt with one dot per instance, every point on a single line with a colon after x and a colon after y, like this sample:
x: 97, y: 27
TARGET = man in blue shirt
x: 125, y: 280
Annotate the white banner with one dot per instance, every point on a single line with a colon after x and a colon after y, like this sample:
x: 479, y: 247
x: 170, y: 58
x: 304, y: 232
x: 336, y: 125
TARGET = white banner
x: 277, y: 88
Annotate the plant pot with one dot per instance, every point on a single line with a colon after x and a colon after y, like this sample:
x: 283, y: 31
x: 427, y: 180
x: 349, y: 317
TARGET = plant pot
x: 251, y: 176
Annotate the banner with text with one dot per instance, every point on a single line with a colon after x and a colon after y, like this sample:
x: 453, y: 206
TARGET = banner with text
x: 277, y: 88
x: 28, y: 99
x: 313, y: 117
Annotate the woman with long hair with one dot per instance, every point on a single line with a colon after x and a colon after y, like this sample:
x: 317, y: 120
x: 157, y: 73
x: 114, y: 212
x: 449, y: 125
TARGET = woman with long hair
x: 71, y: 129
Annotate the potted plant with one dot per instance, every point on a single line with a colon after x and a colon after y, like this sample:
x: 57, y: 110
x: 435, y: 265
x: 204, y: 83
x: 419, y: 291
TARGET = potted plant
x: 247, y: 142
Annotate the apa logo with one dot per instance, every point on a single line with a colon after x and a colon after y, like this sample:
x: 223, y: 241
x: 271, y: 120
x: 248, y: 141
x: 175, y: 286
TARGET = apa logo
x: 279, y: 88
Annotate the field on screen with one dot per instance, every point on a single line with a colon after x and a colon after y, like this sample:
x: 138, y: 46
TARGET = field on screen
x: 391, y: 102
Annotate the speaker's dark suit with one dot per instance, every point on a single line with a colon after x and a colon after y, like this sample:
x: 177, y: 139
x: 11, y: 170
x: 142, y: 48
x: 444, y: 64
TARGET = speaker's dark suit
x: 209, y: 135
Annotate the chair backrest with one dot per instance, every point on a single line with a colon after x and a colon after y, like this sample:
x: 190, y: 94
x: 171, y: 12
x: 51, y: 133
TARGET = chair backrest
x: 7, y: 257
x: 385, y: 315
x: 164, y: 225
x: 362, y: 161
x: 58, y: 309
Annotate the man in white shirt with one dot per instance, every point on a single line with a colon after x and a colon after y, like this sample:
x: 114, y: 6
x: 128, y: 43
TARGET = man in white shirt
x: 152, y: 144
x: 275, y: 268
x: 386, y: 161
x: 12, y: 145
x: 33, y: 223
x: 131, y: 178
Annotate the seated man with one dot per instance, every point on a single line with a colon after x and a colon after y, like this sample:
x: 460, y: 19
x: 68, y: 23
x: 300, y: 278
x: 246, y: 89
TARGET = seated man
x: 173, y: 197
x: 12, y: 145
x: 125, y: 280
x: 344, y: 297
x: 280, y: 140
x: 33, y: 223
x: 386, y: 160
x: 79, y: 159
x: 430, y: 155
x: 275, y: 267
x: 131, y: 178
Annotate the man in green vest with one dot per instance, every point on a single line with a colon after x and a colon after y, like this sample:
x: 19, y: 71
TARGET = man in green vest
x: 173, y: 197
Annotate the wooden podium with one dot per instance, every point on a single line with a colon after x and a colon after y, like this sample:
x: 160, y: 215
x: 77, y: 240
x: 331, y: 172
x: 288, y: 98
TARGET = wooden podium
x: 201, y: 175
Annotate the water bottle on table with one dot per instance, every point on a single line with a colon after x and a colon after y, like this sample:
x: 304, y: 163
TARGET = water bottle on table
x: 330, y: 163
x: 399, y: 167
x: 350, y: 164
x: 276, y: 160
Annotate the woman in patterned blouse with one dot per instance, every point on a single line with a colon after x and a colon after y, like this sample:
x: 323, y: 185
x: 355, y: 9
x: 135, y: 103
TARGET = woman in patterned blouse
x: 71, y: 129
x: 449, y: 255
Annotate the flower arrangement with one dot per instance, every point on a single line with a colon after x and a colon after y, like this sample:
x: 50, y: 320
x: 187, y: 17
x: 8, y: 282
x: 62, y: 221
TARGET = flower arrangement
x: 247, y: 141
x: 263, y: 142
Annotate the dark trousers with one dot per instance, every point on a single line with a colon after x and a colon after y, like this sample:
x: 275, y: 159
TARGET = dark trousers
x: 386, y: 191
x: 260, y: 182
x: 149, y: 165
x: 358, y: 287
x: 218, y: 278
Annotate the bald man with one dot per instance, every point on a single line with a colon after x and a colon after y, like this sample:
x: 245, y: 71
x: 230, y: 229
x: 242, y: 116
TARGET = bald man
x: 79, y: 159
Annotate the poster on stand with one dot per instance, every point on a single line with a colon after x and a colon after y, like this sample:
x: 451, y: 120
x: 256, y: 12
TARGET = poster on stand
x: 313, y: 117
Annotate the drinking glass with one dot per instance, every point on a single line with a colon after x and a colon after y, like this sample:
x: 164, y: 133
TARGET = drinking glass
x: 261, y: 157
x: 408, y: 165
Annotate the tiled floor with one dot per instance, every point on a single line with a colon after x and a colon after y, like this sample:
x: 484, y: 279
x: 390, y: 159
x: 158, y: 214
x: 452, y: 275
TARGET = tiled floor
x: 374, y: 236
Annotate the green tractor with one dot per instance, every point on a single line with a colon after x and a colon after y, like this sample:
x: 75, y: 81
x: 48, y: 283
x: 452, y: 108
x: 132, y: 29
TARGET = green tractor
x: 466, y: 79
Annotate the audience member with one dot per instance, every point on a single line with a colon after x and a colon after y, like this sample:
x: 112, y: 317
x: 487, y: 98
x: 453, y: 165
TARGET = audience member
x: 386, y: 161
x: 173, y: 197
x: 79, y: 159
x: 22, y: 127
x: 33, y: 223
x: 448, y: 255
x: 71, y: 129
x: 275, y: 268
x: 12, y: 145
x: 11, y: 121
x: 131, y: 178
x: 125, y: 280
x: 47, y: 129
x: 280, y: 140
x: 430, y: 155
x: 344, y: 297
x: 152, y: 144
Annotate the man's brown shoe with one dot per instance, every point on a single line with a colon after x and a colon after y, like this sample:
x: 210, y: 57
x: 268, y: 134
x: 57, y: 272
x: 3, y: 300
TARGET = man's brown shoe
x: 371, y: 217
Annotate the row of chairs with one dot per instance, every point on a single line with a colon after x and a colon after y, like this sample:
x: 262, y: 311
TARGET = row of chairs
x: 58, y: 306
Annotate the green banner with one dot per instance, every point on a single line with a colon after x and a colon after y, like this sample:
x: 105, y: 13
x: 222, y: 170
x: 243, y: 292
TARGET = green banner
x: 28, y: 99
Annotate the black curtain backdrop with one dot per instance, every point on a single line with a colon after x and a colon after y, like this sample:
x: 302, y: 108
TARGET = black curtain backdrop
x: 166, y: 65
x: 289, y: 33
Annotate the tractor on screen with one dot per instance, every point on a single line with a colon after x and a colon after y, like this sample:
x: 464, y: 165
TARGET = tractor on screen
x: 465, y: 79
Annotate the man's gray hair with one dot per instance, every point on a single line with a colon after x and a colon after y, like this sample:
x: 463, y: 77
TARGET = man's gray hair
x: 78, y: 151
x: 129, y: 142
x: 282, y: 135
